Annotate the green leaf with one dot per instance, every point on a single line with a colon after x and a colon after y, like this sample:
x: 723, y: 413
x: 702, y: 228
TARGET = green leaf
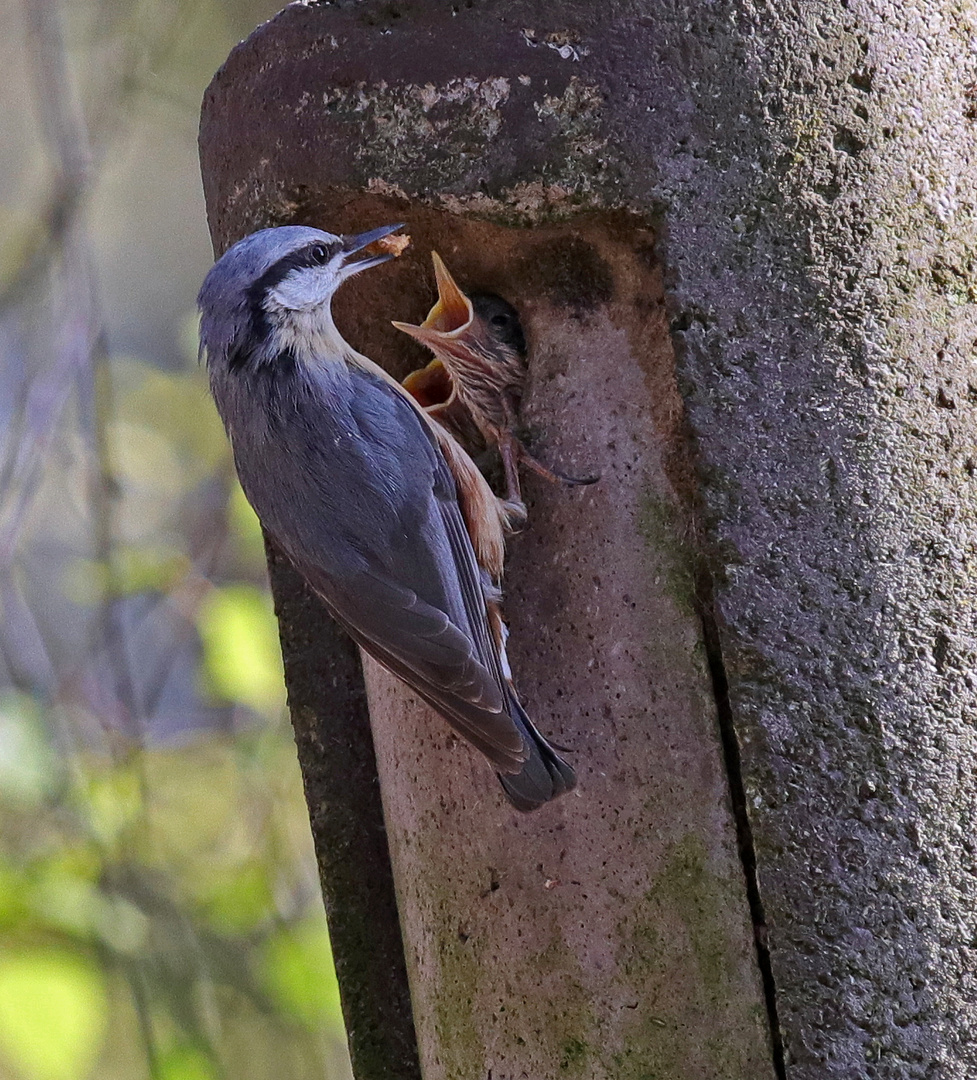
x: 14, y: 896
x: 174, y: 407
x: 186, y: 1063
x: 28, y: 769
x: 79, y: 907
x: 241, y: 901
x: 114, y: 802
x: 146, y: 568
x: 249, y: 544
x: 242, y: 655
x: 52, y: 1013
x: 300, y: 974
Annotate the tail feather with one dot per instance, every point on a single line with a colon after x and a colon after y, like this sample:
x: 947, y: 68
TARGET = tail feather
x: 543, y: 776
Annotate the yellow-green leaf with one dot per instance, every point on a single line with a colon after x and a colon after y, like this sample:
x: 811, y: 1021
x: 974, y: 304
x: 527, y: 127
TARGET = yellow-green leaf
x: 300, y: 973
x: 186, y: 1063
x: 249, y: 544
x: 242, y: 656
x: 52, y: 1013
x: 242, y: 900
x: 114, y: 802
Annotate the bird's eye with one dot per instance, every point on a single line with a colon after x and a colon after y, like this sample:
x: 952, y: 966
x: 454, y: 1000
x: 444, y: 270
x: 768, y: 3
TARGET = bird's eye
x: 319, y: 254
x: 500, y: 320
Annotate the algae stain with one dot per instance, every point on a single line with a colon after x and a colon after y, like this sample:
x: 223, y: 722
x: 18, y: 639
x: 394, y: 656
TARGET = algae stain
x: 452, y: 989
x: 574, y: 1055
x: 555, y: 1025
x: 461, y: 1047
x: 698, y: 898
x: 680, y: 934
x: 565, y: 1030
x: 661, y: 524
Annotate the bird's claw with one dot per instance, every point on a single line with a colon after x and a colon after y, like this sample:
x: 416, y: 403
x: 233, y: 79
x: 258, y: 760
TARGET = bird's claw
x: 515, y: 514
x: 551, y: 474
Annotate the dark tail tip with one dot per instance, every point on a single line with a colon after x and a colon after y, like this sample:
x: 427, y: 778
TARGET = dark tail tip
x: 544, y: 776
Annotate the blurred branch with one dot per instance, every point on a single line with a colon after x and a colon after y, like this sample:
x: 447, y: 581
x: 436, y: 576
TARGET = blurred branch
x: 187, y: 596
x: 80, y: 352
x: 63, y: 128
x: 53, y: 221
x: 22, y: 644
x: 146, y: 41
x: 37, y: 425
x: 59, y: 108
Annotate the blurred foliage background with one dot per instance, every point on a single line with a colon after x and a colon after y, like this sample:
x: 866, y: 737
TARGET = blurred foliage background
x: 159, y: 906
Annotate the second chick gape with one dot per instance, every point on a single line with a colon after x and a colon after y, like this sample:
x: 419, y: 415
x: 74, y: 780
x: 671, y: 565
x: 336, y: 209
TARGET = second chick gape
x: 477, y: 377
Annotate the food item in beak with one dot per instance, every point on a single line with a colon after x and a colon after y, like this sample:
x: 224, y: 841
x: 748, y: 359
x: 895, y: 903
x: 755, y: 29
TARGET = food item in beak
x: 390, y: 245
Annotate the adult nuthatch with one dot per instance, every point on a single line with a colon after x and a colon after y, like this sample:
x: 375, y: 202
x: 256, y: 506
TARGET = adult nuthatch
x: 480, y: 361
x: 361, y: 491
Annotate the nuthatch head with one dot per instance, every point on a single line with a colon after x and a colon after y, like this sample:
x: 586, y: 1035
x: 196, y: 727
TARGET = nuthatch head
x: 480, y: 363
x: 361, y: 492
x: 275, y: 292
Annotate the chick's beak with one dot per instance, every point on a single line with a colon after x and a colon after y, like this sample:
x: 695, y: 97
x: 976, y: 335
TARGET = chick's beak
x: 450, y: 318
x: 453, y: 311
x: 353, y: 244
x: 430, y: 386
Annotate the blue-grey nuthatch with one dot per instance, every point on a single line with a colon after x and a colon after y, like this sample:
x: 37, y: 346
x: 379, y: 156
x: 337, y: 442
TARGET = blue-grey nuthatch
x: 380, y: 510
x: 480, y: 363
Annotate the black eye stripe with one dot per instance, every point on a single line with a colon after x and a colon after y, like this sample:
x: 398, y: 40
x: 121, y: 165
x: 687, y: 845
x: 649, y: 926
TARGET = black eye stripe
x: 315, y: 254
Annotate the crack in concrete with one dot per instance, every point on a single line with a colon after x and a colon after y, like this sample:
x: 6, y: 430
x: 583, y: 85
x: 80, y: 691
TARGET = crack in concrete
x: 737, y: 791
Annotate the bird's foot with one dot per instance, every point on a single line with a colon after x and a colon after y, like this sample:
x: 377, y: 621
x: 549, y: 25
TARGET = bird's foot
x: 514, y: 513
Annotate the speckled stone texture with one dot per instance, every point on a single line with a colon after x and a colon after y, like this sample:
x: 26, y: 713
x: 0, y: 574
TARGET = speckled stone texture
x: 605, y: 935
x: 807, y: 171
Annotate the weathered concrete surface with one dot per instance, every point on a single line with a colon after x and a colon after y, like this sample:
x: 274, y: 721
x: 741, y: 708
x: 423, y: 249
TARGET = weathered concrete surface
x: 332, y: 732
x: 608, y: 935
x: 605, y: 936
x: 821, y: 251
x: 813, y: 168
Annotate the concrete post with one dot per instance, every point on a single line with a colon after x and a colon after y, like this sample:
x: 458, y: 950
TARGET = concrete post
x: 607, y: 935
x: 782, y: 539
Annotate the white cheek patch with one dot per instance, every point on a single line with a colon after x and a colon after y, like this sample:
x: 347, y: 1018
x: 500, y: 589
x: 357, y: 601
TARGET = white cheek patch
x: 304, y: 289
x: 301, y: 316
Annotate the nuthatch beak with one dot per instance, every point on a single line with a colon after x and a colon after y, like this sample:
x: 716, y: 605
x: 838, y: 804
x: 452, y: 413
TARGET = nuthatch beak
x: 480, y: 363
x: 354, y: 244
x: 376, y: 505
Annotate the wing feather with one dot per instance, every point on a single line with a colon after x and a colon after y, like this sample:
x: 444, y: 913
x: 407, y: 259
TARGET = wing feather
x: 394, y: 562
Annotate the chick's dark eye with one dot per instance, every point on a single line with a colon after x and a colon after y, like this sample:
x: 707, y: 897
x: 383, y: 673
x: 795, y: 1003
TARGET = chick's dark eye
x: 500, y: 320
x: 319, y: 255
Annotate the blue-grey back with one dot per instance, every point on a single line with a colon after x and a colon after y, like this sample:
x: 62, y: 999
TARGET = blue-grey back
x: 333, y: 462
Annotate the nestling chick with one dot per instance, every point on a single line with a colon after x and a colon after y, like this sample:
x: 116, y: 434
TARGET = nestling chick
x: 480, y: 362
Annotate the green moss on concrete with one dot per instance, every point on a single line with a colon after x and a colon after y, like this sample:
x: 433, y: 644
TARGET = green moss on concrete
x: 566, y: 1031
x: 680, y: 933
x: 575, y: 1052
x: 700, y: 898
x: 662, y: 524
x: 462, y: 1050
x: 557, y: 1034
